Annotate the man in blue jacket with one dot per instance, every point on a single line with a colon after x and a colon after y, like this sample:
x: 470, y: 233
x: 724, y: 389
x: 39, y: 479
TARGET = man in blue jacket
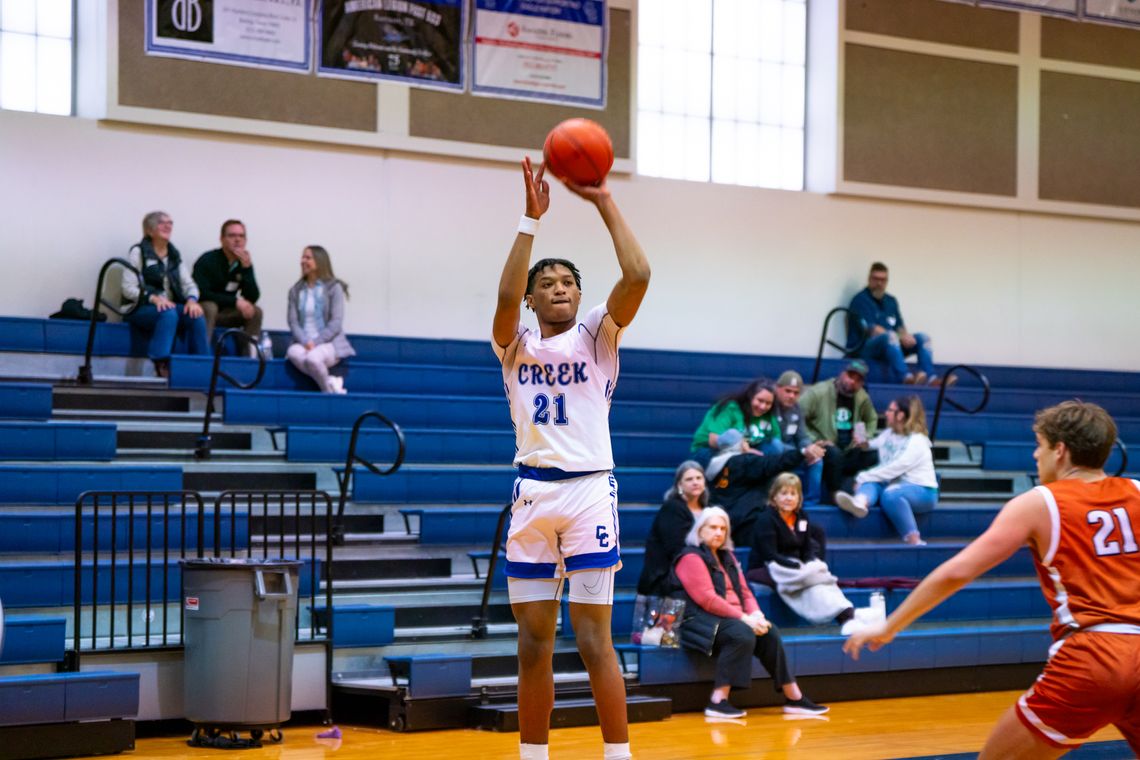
x: 888, y: 340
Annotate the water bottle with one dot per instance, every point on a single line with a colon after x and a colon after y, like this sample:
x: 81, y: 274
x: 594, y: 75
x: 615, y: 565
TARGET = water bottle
x: 266, y: 344
x: 879, y: 605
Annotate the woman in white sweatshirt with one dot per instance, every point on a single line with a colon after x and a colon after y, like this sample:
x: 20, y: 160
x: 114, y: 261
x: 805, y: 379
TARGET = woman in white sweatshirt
x: 903, y: 483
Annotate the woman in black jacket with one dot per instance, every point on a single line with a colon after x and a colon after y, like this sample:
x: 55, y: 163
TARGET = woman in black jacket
x: 784, y: 535
x: 683, y: 502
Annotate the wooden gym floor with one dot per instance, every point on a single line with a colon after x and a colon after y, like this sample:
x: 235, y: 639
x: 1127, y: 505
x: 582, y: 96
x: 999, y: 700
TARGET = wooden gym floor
x: 891, y: 728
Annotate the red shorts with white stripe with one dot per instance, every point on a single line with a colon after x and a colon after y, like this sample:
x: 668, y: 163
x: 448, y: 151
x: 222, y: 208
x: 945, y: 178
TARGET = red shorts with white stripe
x: 1091, y: 681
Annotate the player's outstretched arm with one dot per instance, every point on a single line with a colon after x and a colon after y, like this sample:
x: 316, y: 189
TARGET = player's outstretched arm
x: 512, y: 284
x: 1022, y: 520
x: 625, y: 298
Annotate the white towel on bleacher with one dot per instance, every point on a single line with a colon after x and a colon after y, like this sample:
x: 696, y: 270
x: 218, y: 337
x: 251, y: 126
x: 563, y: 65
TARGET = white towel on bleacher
x: 810, y: 590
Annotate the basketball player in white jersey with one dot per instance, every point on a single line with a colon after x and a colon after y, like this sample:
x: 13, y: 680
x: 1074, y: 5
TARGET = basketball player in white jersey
x: 564, y: 528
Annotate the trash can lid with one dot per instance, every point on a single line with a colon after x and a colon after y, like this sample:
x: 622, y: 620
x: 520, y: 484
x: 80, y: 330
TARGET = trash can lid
x: 234, y: 563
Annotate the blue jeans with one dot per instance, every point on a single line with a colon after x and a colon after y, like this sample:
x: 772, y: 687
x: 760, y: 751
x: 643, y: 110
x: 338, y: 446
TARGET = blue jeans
x: 164, y: 326
x: 887, y: 349
x: 901, y: 502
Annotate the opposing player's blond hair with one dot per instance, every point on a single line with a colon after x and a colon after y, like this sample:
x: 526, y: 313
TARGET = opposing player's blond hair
x: 1086, y: 429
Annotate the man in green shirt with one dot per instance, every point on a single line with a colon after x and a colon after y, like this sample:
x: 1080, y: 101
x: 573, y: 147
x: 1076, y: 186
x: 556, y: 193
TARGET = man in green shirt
x: 839, y: 414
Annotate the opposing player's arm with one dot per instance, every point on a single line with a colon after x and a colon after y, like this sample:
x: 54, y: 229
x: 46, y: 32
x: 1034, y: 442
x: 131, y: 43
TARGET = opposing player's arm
x: 625, y: 298
x: 512, y: 283
x: 1024, y: 519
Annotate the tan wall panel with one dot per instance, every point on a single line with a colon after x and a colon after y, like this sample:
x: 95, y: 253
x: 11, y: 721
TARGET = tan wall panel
x: 465, y: 117
x: 1090, y: 43
x: 1089, y: 151
x: 936, y: 21
x: 219, y: 90
x: 925, y: 121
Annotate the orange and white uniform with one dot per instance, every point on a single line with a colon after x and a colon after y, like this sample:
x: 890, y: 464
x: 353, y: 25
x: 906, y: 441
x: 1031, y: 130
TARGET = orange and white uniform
x: 1090, y: 575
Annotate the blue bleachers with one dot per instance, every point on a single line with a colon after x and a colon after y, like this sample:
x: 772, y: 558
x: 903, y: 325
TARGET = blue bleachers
x: 1018, y: 455
x: 65, y: 336
x: 51, y: 583
x: 959, y: 646
x: 24, y: 484
x: 434, y: 485
x: 57, y: 441
x: 25, y: 401
x: 55, y: 531
x: 64, y: 697
x: 465, y: 446
x: 32, y: 639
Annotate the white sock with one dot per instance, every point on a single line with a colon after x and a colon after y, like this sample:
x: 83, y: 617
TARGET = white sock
x: 616, y: 751
x: 534, y: 751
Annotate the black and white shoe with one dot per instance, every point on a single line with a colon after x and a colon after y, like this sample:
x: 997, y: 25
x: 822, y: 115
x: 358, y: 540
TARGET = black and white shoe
x: 723, y: 709
x: 802, y: 706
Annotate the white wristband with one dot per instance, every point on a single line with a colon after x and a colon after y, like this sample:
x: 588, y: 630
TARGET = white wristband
x: 528, y: 226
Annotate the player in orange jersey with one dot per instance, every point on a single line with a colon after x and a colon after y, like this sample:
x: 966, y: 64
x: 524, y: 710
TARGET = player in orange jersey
x: 1081, y: 527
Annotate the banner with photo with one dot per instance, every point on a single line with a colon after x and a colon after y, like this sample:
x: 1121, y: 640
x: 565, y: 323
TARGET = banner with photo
x: 548, y: 50
x: 1051, y: 7
x: 263, y: 33
x: 418, y: 42
x: 1115, y: 11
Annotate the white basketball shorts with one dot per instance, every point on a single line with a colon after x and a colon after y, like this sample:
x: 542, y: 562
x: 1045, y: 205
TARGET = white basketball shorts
x: 560, y: 527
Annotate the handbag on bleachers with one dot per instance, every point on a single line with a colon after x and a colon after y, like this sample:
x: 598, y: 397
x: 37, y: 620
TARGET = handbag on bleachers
x: 657, y: 621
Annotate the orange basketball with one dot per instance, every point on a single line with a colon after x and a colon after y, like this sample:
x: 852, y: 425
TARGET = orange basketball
x: 579, y: 150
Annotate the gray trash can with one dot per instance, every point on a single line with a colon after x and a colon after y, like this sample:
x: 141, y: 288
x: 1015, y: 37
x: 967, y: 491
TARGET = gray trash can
x: 238, y: 634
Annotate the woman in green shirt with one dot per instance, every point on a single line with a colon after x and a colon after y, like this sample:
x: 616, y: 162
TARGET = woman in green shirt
x: 749, y: 412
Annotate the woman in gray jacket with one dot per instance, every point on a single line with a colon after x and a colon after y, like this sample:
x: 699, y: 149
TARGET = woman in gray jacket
x: 316, y: 319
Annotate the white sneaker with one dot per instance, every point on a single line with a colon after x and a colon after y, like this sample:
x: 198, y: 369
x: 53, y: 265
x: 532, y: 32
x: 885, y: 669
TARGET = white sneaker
x: 336, y: 384
x: 856, y: 505
x: 854, y: 625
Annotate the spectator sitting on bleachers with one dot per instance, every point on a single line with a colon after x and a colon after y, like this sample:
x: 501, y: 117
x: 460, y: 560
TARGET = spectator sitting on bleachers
x: 739, y: 478
x: 168, y: 304
x: 683, y: 502
x: 888, y: 340
x: 722, y: 619
x: 228, y: 285
x: 839, y: 415
x: 787, y: 555
x: 794, y: 433
x: 748, y: 410
x: 316, y: 319
x: 904, y: 482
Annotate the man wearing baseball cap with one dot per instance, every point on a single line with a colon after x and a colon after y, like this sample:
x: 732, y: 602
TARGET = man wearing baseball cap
x: 839, y: 415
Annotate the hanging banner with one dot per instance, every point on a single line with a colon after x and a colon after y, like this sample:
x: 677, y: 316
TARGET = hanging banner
x: 549, y: 50
x: 418, y: 42
x: 1115, y: 11
x: 1051, y: 7
x: 264, y: 33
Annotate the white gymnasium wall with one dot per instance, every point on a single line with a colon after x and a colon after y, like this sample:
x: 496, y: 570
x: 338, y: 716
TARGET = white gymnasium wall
x: 421, y: 241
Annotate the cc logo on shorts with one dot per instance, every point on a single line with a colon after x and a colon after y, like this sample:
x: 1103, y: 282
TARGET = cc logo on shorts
x: 602, y: 536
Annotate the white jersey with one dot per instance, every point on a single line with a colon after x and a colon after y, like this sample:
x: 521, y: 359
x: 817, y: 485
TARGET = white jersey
x: 559, y: 390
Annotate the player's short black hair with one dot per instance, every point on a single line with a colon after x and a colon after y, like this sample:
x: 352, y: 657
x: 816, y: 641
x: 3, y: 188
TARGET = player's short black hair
x: 543, y: 264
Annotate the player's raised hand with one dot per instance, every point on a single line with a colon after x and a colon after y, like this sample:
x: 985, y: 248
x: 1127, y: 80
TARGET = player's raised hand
x: 593, y: 193
x: 874, y: 637
x: 537, y: 190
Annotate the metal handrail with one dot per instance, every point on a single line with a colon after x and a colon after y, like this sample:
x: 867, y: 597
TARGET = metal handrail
x: 943, y: 398
x: 202, y: 450
x: 352, y: 458
x: 825, y: 341
x: 479, y: 623
x: 86, y: 376
x: 153, y: 510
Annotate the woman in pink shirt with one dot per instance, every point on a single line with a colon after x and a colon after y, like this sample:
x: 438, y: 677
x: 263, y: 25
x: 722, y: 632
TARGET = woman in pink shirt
x: 723, y: 619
